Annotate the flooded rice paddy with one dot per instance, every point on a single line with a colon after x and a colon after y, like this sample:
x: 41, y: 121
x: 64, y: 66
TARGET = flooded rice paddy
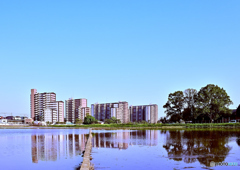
x: 120, y: 149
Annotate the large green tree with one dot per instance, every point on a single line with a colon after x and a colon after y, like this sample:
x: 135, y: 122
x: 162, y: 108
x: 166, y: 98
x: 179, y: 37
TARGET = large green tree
x: 213, y: 101
x: 89, y: 120
x: 174, y: 106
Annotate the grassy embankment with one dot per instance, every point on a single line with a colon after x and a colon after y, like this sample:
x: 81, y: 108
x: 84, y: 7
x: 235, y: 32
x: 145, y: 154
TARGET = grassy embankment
x: 159, y: 125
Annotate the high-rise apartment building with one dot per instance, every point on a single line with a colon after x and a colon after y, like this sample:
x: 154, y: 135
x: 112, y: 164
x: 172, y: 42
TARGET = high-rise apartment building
x: 107, y: 110
x: 33, y: 92
x: 60, y: 108
x: 44, y: 107
x: 148, y: 113
x: 84, y: 112
x: 76, y: 109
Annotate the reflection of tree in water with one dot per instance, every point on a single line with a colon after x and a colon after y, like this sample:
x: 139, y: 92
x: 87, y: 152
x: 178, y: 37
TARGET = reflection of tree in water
x: 204, y: 146
x: 238, y: 141
x: 174, y: 145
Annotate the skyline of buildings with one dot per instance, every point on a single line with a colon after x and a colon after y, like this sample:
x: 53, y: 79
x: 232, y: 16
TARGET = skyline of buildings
x: 44, y: 107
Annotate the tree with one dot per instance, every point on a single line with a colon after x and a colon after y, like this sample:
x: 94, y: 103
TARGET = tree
x: 143, y: 122
x: 187, y: 114
x: 115, y: 120
x: 108, y: 121
x: 175, y: 104
x: 163, y: 120
x: 89, y: 119
x: 112, y: 120
x: 213, y: 101
x: 175, y: 118
x: 238, y: 111
x: 190, y: 96
x: 78, y: 121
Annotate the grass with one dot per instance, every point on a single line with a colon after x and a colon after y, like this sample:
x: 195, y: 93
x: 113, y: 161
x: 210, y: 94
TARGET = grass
x: 158, y: 125
x: 213, y: 125
x: 111, y: 125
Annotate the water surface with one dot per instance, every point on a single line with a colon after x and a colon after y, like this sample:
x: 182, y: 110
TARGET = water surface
x: 41, y: 148
x: 167, y: 149
x: 119, y: 149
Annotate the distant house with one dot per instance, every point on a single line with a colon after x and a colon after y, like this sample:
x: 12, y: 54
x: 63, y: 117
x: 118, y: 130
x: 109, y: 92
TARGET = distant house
x: 10, y: 117
x: 69, y: 123
x: 15, y: 121
x: 28, y: 121
x: 3, y: 121
x: 100, y: 122
x: 18, y: 118
x: 39, y: 123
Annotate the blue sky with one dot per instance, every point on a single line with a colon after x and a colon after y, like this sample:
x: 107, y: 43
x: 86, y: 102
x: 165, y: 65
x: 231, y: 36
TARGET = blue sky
x: 137, y: 51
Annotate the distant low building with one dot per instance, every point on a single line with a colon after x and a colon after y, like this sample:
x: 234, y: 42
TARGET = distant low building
x: 15, y: 121
x: 10, y: 117
x: 28, y: 121
x: 69, y: 123
x: 39, y: 123
x: 18, y: 118
x: 3, y: 121
x: 23, y: 117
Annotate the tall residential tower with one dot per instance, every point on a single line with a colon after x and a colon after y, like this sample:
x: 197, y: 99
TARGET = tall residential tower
x: 107, y: 110
x: 76, y: 109
x: 148, y: 113
x: 44, y: 107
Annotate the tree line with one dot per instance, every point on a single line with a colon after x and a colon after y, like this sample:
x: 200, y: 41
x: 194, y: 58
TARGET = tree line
x: 209, y: 103
x: 91, y: 120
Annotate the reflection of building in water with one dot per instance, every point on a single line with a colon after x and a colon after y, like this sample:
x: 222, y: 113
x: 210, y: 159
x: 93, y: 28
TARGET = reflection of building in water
x: 145, y: 137
x: 122, y: 139
x: 50, y: 147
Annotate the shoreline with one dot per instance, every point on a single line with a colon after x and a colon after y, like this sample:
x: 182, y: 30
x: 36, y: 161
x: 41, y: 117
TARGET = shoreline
x: 132, y: 126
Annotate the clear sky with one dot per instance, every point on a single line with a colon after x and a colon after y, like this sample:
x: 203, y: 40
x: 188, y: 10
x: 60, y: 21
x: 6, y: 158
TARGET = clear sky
x: 117, y: 50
